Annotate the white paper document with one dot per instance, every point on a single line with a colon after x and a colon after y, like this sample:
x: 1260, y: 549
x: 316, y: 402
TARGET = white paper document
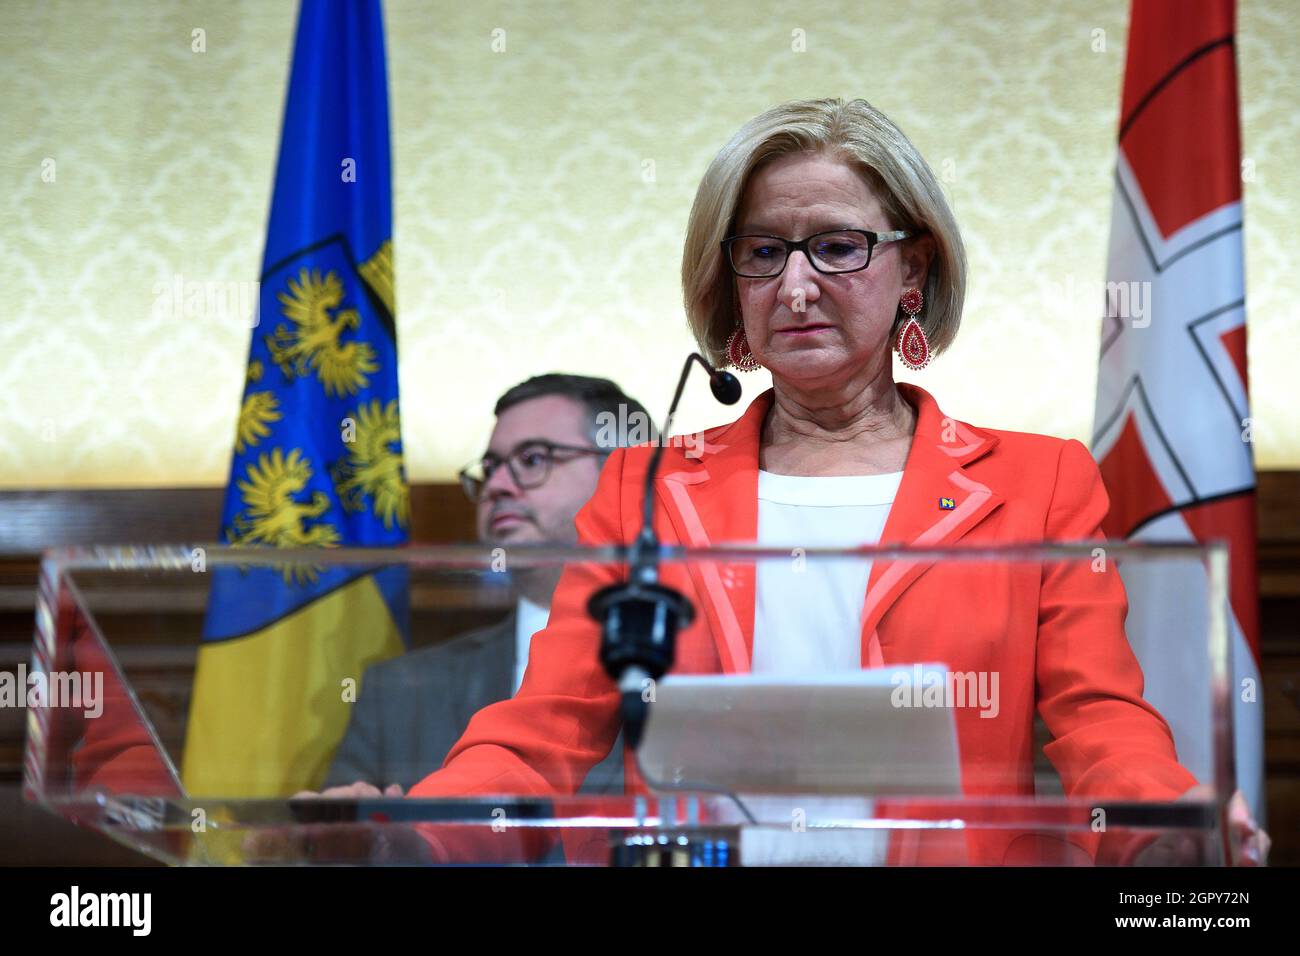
x: 866, y: 733
x: 806, y: 754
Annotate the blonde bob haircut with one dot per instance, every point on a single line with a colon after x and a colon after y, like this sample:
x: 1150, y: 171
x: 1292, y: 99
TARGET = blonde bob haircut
x: 865, y: 139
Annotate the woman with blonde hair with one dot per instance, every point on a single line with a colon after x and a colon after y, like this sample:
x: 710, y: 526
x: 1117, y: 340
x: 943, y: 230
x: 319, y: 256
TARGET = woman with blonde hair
x: 820, y: 246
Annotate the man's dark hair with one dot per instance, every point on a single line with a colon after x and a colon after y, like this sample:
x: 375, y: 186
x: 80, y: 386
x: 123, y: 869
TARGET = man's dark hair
x: 599, y: 396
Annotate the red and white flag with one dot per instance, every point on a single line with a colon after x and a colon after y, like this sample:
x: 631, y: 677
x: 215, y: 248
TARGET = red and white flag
x: 1172, y: 431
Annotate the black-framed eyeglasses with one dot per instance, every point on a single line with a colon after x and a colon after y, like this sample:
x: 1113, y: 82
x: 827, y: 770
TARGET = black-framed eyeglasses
x: 832, y: 253
x: 530, y: 465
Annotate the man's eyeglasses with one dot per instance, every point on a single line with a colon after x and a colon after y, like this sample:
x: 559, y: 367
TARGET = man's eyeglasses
x: 833, y: 253
x: 530, y: 465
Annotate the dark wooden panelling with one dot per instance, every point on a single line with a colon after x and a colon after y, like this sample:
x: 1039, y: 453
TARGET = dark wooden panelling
x: 31, y: 521
x: 1278, y: 504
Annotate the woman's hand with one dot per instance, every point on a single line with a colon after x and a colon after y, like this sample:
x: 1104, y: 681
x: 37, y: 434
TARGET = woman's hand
x: 1249, y: 844
x: 355, y: 791
x: 331, y: 843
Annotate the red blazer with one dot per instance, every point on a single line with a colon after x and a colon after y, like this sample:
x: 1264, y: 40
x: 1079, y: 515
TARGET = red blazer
x: 1053, y: 632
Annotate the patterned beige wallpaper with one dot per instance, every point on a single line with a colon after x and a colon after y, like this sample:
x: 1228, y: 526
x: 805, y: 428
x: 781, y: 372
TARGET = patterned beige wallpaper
x: 132, y: 165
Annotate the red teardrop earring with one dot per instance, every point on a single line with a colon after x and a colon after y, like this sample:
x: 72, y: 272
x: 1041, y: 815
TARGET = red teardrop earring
x: 911, y: 344
x: 737, y: 349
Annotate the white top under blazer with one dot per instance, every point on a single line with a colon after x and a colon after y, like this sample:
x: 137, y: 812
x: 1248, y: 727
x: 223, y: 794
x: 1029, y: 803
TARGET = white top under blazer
x: 808, y: 615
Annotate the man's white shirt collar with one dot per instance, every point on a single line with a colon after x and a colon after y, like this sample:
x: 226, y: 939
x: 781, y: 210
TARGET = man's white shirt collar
x: 529, y: 619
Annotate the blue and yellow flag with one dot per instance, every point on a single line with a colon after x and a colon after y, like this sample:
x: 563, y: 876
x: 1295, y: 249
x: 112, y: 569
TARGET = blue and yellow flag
x: 318, y: 453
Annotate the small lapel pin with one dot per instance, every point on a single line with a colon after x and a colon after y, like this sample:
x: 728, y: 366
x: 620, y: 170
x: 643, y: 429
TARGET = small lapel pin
x: 947, y: 504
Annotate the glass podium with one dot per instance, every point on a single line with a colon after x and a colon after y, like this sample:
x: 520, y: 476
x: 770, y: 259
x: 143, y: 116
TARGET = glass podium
x: 192, y: 702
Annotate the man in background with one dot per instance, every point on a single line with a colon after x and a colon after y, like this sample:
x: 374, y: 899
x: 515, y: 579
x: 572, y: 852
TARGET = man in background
x: 540, y: 467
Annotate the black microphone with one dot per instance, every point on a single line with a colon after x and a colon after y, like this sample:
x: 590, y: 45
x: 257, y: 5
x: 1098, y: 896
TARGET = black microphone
x: 640, y: 618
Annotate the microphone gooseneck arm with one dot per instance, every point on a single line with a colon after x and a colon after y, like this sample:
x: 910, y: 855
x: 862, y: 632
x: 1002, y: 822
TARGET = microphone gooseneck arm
x: 640, y: 617
x: 726, y: 390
